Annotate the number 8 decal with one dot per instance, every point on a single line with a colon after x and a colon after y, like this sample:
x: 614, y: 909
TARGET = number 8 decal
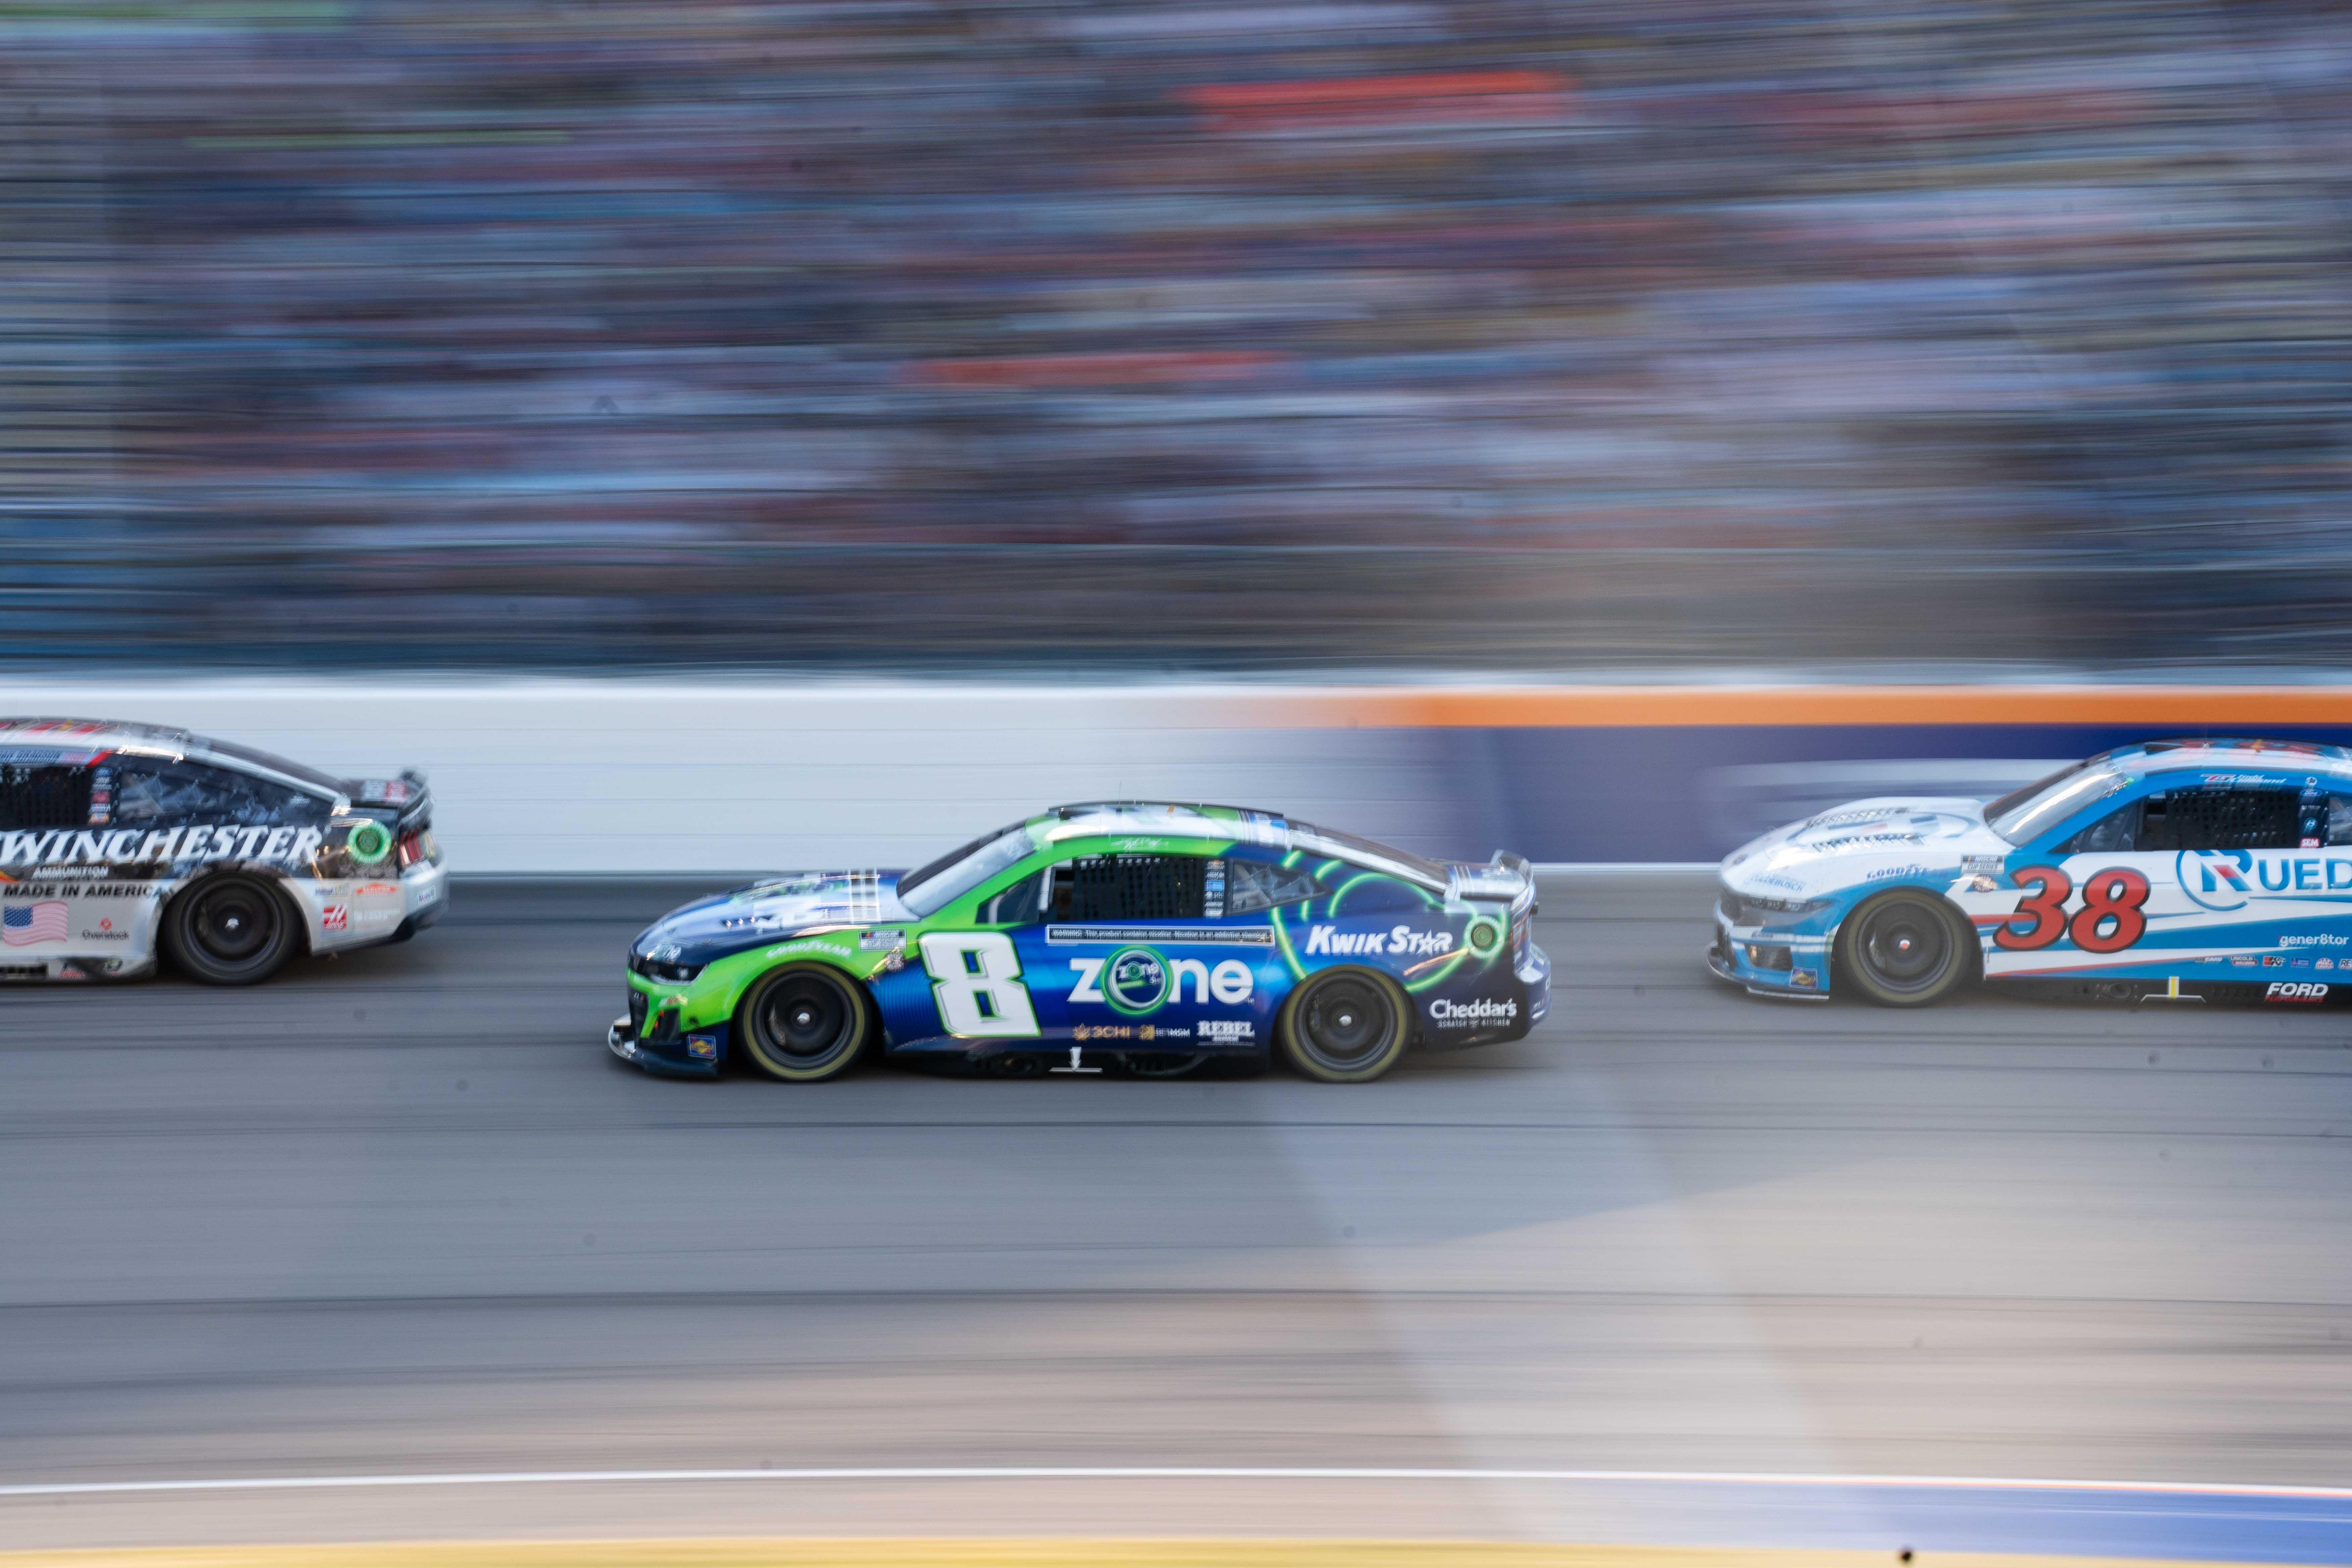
x: 976, y: 980
x: 2115, y: 894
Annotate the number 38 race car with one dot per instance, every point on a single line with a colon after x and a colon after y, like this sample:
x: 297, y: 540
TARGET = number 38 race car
x: 1142, y: 939
x: 2169, y: 871
x: 119, y: 842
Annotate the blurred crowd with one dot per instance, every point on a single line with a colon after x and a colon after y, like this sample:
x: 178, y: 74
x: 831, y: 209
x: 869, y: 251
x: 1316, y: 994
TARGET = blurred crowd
x: 897, y: 334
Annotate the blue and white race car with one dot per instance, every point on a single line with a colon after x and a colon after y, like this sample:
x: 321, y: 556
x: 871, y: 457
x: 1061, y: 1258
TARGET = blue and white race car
x: 2173, y: 869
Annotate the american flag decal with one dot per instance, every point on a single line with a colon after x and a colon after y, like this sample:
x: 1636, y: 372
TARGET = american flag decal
x: 23, y: 924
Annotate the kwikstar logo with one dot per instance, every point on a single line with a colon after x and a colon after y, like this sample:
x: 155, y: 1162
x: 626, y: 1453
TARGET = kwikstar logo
x: 136, y: 847
x: 1402, y: 941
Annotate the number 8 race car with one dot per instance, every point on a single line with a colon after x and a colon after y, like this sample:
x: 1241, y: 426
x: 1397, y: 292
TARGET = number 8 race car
x: 2169, y: 871
x: 1144, y: 939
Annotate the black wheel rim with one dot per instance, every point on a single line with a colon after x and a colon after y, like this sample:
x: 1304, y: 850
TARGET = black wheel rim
x: 1906, y: 947
x: 233, y: 924
x: 805, y: 1018
x: 1346, y: 1023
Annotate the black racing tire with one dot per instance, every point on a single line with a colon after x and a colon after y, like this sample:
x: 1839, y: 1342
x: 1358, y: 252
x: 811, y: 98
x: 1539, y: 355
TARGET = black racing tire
x: 804, y: 1023
x: 1908, y: 948
x: 1346, y: 1025
x: 231, y: 929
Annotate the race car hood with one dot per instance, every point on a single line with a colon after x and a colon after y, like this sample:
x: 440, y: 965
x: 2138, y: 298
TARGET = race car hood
x: 783, y: 905
x: 1864, y: 839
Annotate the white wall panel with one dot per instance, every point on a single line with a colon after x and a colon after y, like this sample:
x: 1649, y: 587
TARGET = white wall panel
x: 568, y: 776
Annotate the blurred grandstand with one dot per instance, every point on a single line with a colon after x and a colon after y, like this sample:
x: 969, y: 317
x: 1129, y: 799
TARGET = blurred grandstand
x: 867, y: 334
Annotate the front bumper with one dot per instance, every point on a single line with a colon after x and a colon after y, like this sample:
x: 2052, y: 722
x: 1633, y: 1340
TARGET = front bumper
x: 666, y: 1052
x: 1729, y: 958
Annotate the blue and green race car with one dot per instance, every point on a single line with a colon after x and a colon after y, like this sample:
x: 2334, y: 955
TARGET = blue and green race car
x: 1132, y: 938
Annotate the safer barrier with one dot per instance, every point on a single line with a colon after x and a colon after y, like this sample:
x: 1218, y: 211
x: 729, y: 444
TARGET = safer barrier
x: 644, y: 776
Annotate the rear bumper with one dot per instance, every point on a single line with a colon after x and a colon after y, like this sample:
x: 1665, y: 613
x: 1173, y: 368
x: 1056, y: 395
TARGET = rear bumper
x: 424, y: 894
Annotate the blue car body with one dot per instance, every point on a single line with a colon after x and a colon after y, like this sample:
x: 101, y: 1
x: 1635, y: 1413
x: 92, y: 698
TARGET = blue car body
x: 1131, y: 936
x: 2217, y: 868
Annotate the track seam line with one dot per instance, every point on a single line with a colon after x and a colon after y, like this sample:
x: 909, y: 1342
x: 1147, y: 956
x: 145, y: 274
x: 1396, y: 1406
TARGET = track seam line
x: 1174, y: 1472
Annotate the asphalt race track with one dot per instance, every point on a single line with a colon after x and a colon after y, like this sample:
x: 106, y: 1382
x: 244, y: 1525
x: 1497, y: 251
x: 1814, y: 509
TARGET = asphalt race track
x: 402, y: 1212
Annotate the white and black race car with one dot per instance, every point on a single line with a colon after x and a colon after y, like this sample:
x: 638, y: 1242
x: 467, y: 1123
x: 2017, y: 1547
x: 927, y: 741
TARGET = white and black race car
x: 124, y: 844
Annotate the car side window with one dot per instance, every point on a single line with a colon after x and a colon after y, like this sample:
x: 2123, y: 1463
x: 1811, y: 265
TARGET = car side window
x: 2116, y: 833
x: 2339, y: 820
x: 1131, y: 888
x: 1374, y: 894
x: 1252, y: 886
x: 1026, y: 899
x: 164, y: 793
x: 38, y: 791
x: 2221, y: 820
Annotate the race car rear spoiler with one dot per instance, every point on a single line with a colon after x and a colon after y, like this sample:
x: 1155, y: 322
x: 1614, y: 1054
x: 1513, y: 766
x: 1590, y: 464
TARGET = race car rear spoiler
x: 1506, y: 876
x: 408, y: 796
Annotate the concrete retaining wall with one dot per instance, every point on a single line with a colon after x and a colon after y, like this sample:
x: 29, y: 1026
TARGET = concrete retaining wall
x: 643, y: 777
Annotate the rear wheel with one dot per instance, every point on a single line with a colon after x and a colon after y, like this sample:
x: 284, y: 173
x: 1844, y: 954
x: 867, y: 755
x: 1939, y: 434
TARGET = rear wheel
x: 804, y: 1024
x: 229, y: 930
x: 1906, y: 949
x: 1346, y: 1025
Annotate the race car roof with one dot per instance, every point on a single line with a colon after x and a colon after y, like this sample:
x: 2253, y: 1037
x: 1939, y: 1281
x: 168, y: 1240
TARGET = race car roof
x: 117, y: 735
x: 1178, y: 819
x: 2150, y: 756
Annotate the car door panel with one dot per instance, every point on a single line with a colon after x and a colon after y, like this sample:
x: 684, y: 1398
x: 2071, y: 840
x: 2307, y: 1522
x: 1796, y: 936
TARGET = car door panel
x: 2215, y: 883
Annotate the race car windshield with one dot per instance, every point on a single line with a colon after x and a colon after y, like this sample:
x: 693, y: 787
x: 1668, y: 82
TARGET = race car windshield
x: 2023, y: 815
x: 1365, y: 852
x: 927, y: 889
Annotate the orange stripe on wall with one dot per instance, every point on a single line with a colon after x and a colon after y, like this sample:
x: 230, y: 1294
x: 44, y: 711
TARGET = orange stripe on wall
x: 2189, y: 710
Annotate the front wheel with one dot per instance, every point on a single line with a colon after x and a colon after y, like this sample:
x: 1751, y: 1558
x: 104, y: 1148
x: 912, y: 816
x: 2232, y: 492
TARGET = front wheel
x: 1906, y: 949
x: 1346, y: 1025
x: 229, y: 930
x: 804, y: 1024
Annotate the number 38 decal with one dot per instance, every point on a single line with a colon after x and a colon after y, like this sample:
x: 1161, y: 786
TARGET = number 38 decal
x: 2109, y: 921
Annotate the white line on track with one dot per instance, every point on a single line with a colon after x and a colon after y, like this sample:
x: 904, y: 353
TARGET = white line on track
x: 1163, y: 1472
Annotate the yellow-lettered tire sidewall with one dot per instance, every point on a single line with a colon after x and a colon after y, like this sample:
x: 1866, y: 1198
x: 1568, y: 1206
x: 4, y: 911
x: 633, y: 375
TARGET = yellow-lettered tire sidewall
x: 1303, y: 1063
x: 1848, y: 969
x: 780, y: 1067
